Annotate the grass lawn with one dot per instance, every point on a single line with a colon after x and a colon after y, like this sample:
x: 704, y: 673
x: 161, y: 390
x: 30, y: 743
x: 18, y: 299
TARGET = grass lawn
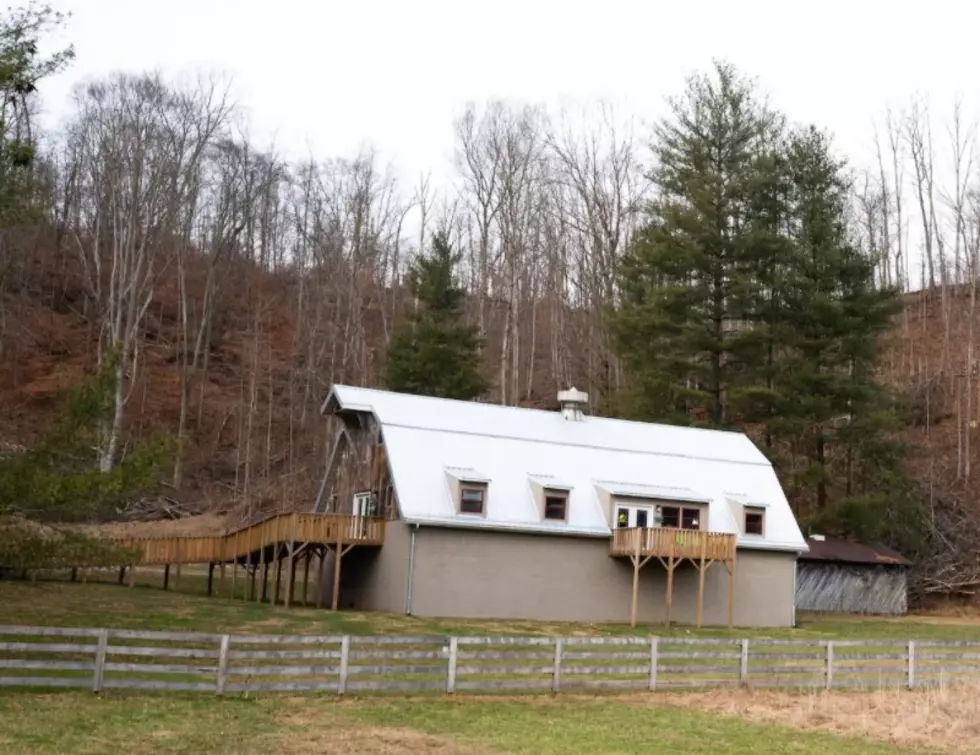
x: 86, y: 725
x: 104, y: 603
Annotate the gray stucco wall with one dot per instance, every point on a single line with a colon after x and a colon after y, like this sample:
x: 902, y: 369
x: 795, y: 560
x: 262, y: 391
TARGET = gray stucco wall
x: 479, y: 574
x: 851, y: 588
x: 375, y: 579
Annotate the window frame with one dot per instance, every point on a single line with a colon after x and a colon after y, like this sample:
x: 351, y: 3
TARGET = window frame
x: 554, y: 493
x: 758, y: 511
x: 474, y: 487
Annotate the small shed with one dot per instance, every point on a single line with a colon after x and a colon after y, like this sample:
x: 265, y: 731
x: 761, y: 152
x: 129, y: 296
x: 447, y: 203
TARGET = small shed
x: 843, y: 577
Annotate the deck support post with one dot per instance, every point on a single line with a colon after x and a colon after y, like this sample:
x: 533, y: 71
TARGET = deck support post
x: 306, y: 573
x: 635, y: 559
x: 210, y: 578
x: 166, y: 576
x: 132, y: 575
x: 321, y: 581
x: 335, y: 600
x: 249, y: 586
x: 275, y: 598
x: 701, y: 567
x: 290, y: 561
x: 265, y: 578
x: 234, y: 565
x: 221, y: 577
x: 74, y: 574
x: 671, y: 565
x: 122, y: 574
x: 179, y: 560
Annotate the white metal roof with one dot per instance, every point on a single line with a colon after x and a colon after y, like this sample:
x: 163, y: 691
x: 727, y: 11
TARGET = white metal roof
x: 426, y: 437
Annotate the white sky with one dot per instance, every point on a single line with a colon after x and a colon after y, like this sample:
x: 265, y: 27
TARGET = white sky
x: 329, y: 76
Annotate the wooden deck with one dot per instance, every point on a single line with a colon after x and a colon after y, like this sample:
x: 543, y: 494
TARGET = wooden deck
x: 281, y: 541
x: 671, y: 547
x: 323, y: 529
x: 664, y: 542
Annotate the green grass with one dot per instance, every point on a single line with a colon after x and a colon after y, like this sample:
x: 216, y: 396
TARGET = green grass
x: 106, y: 604
x: 178, y: 724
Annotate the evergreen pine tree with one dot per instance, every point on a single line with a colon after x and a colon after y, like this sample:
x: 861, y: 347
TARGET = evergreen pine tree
x: 691, y: 280
x: 435, y: 353
x: 831, y: 411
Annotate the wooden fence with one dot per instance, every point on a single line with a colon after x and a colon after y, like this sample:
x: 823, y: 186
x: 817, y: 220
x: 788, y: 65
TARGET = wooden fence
x: 102, y: 659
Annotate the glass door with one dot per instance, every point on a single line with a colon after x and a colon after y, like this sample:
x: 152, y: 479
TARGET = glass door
x: 634, y: 516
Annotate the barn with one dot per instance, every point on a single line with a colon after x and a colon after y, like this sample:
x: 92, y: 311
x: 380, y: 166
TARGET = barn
x: 843, y: 577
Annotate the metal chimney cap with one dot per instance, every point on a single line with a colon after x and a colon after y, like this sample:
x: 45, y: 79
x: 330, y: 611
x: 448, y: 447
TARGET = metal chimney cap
x: 573, y: 396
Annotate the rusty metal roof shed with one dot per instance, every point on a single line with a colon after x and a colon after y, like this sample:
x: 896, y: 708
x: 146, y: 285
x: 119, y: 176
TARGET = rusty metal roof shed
x: 846, y: 552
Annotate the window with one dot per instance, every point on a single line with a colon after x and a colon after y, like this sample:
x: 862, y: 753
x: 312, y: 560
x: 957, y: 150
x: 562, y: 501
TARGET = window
x: 472, y: 498
x: 755, y: 521
x: 681, y: 517
x: 555, y: 505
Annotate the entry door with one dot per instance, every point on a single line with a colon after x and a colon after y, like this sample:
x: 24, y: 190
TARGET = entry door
x: 363, y: 507
x: 634, y: 516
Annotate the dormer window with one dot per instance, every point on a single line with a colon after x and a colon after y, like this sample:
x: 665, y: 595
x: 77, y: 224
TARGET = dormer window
x: 472, y: 498
x: 555, y: 505
x: 755, y: 520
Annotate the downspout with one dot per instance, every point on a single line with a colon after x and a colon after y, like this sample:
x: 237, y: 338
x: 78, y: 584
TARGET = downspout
x: 411, y: 572
x: 793, y: 617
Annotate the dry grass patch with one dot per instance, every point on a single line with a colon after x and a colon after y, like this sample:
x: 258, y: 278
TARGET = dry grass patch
x: 944, y: 717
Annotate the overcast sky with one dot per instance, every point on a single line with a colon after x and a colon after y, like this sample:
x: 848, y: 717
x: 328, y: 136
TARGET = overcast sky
x: 327, y: 77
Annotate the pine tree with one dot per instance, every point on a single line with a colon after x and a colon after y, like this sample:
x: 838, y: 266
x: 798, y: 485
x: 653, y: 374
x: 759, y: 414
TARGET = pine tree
x: 435, y: 353
x: 831, y: 410
x: 691, y: 280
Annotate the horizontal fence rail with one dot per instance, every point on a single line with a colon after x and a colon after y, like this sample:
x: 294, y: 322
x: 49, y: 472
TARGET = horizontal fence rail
x: 104, y: 659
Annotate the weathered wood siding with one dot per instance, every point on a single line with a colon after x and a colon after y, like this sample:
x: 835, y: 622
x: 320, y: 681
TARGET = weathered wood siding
x: 851, y: 588
x: 359, y: 463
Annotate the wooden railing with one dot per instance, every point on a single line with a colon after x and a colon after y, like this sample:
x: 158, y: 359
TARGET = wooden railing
x: 328, y: 529
x: 101, y: 659
x: 668, y: 542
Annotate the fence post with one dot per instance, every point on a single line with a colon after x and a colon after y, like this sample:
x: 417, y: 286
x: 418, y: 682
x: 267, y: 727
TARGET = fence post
x: 223, y: 664
x: 654, y: 641
x: 100, y: 654
x: 743, y: 667
x: 556, y: 672
x: 829, y: 671
x: 344, y: 662
x: 451, y: 671
x: 911, y: 664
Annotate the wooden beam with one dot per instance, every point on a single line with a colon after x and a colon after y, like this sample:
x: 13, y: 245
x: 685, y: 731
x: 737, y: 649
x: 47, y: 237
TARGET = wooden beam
x: 74, y: 574
x: 211, y: 578
x: 701, y: 568
x: 275, y: 598
x: 290, y: 561
x: 265, y: 577
x: 234, y: 565
x: 122, y: 574
x: 179, y: 559
x: 335, y: 601
x: 132, y: 575
x: 291, y: 584
x: 166, y: 576
x: 321, y: 582
x: 221, y: 577
x: 671, y: 565
x: 249, y: 571
x: 306, y: 573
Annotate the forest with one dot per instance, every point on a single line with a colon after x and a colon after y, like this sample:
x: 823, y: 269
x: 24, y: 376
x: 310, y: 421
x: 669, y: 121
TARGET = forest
x: 725, y: 267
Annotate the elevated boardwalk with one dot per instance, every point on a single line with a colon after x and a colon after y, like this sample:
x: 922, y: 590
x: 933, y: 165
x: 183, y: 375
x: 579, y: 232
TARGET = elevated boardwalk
x: 280, y: 540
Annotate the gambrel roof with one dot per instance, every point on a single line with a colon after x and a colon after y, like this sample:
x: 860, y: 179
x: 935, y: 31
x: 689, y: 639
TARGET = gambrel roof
x: 428, y: 438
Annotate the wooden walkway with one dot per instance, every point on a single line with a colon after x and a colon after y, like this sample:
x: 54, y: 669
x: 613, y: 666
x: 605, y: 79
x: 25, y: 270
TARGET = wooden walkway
x: 281, y: 540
